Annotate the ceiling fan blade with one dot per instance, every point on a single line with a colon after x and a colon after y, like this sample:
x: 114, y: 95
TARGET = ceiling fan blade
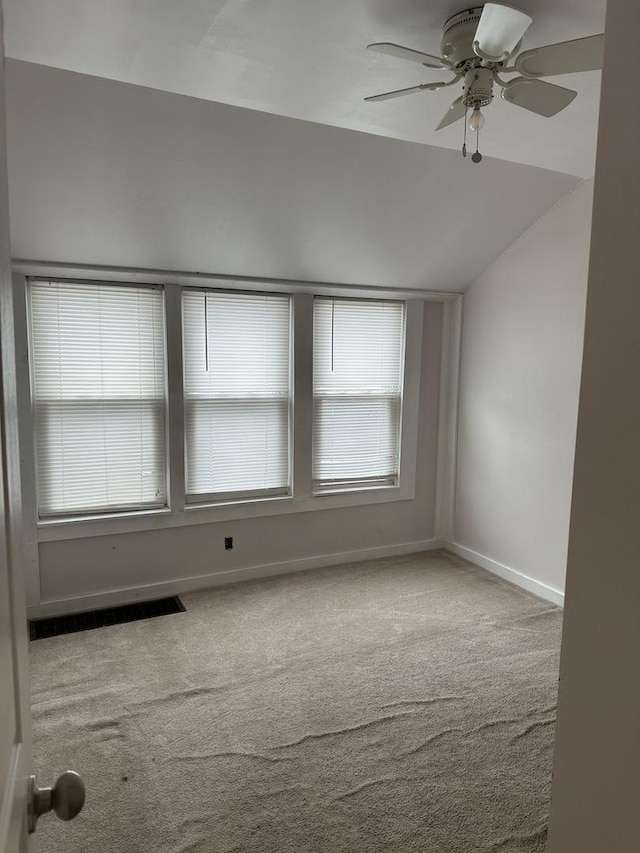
x: 499, y: 31
x: 399, y: 93
x: 454, y: 113
x: 566, y: 57
x: 545, y: 99
x: 407, y: 53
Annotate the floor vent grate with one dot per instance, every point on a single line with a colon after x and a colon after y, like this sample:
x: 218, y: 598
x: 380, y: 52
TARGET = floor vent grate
x: 56, y: 625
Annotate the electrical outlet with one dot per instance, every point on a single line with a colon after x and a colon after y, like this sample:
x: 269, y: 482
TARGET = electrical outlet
x: 228, y: 543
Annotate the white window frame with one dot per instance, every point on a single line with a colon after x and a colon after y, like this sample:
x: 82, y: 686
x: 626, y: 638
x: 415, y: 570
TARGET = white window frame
x: 213, y: 498
x: 179, y: 513
x: 360, y: 485
x: 71, y: 516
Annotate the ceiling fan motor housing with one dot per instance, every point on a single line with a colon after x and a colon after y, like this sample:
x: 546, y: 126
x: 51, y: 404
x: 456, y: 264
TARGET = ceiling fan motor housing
x: 457, y: 38
x: 458, y: 35
x: 478, y: 88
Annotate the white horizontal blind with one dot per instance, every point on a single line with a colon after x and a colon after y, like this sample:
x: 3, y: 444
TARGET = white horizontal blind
x: 98, y: 377
x: 236, y: 393
x: 358, y: 361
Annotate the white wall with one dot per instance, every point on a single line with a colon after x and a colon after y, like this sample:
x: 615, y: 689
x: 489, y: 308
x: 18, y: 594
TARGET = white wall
x: 110, y: 173
x: 80, y: 567
x: 106, y: 173
x: 521, y: 357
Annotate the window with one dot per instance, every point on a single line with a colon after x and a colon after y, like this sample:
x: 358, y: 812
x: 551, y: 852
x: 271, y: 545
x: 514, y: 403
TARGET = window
x: 236, y: 394
x: 357, y: 392
x: 98, y: 379
x: 136, y: 387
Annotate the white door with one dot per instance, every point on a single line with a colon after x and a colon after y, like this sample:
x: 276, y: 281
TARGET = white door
x: 15, y: 740
x: 15, y: 757
x: 20, y: 800
x: 15, y: 722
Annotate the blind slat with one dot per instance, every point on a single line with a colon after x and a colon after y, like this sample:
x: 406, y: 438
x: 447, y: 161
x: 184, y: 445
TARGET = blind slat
x: 98, y: 374
x: 237, y: 393
x: 357, y: 387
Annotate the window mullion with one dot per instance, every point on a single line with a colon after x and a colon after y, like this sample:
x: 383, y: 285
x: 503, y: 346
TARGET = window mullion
x: 175, y: 397
x: 302, y: 393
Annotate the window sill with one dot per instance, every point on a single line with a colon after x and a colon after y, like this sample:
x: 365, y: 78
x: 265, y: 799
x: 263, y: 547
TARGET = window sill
x: 212, y: 503
x: 354, y: 490
x: 194, y: 514
x: 54, y: 520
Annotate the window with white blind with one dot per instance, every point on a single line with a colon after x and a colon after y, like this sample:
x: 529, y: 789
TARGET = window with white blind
x: 98, y: 383
x: 236, y: 349
x: 358, y: 360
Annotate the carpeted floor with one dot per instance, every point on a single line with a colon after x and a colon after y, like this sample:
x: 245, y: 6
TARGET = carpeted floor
x: 406, y: 704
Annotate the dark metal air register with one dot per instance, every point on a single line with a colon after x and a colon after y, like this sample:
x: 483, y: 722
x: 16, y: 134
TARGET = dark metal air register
x: 39, y: 629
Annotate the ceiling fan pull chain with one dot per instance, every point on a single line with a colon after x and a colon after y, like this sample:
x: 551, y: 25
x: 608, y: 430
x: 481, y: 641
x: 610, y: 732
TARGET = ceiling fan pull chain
x: 206, y: 335
x: 333, y: 329
x: 464, y: 141
x: 477, y: 156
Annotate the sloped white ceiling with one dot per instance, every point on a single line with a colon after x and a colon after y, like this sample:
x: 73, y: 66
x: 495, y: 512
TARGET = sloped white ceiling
x: 307, y: 59
x: 103, y: 172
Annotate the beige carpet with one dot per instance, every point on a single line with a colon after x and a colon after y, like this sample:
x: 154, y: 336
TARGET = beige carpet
x: 400, y: 705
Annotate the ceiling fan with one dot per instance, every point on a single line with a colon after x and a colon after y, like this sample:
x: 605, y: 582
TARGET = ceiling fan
x: 478, y: 46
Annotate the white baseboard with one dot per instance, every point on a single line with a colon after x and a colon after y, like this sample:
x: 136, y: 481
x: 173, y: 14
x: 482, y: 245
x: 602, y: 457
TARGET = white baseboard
x: 542, y: 590
x: 79, y: 604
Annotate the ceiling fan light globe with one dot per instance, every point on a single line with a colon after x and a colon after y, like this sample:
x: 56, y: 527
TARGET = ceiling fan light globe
x: 500, y: 30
